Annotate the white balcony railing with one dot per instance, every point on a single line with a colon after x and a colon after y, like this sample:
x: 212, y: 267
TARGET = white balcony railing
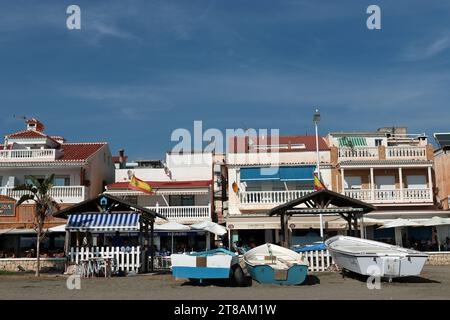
x: 69, y: 194
x: 28, y: 155
x: 346, y: 153
x: 423, y: 195
x: 413, y: 153
x: 373, y: 153
x: 270, y: 197
x: 184, y: 213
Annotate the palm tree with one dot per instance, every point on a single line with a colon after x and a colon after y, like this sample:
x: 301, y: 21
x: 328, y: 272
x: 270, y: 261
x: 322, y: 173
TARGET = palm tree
x: 39, y: 192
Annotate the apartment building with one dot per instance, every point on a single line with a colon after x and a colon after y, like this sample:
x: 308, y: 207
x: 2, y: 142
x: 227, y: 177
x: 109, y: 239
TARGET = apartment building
x: 390, y: 169
x: 183, y: 191
x: 442, y: 170
x: 81, y: 171
x: 264, y: 172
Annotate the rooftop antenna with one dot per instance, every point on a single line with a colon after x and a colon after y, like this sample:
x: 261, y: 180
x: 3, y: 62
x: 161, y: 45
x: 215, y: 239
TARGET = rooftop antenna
x: 22, y: 117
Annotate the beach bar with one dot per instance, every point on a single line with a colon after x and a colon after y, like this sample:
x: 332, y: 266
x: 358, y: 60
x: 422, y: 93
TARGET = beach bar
x: 109, y: 232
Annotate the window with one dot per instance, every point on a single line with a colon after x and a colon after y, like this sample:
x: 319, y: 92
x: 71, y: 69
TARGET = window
x: 416, y: 182
x: 378, y: 142
x: 352, y: 182
x: 29, y: 181
x: 385, y: 182
x: 61, y: 181
x: 1, y: 180
x: 182, y: 201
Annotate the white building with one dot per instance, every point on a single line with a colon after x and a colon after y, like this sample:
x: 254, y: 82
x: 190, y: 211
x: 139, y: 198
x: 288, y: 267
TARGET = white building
x: 182, y: 190
x: 264, y: 173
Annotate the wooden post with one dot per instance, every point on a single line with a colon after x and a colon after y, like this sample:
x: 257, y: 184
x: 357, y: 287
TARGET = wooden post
x: 152, y: 247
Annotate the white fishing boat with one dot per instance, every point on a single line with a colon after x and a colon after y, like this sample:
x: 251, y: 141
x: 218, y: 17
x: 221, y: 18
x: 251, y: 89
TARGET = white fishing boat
x: 368, y: 257
x: 270, y: 263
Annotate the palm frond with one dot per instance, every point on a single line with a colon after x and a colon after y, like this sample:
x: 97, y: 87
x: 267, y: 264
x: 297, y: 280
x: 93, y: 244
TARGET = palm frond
x: 26, y: 197
x: 25, y: 187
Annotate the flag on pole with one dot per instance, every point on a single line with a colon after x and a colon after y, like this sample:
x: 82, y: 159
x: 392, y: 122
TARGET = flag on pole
x: 318, y: 184
x: 139, y: 185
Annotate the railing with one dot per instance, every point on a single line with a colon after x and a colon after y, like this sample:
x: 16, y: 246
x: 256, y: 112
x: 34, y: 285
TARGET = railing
x: 373, y: 153
x: 270, y: 197
x: 391, y: 195
x: 28, y: 155
x: 69, y: 194
x: 125, y: 260
x: 182, y: 213
x: 406, y: 152
x: 347, y: 153
x: 161, y: 263
x: 318, y: 260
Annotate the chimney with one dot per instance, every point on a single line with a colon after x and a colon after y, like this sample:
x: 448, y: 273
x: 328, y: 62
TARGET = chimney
x: 35, y: 125
x: 5, y: 144
x: 122, y: 162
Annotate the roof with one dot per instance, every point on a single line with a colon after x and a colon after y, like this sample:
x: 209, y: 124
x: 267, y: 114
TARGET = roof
x: 79, y: 151
x: 113, y: 204
x: 323, y: 196
x: 27, y: 134
x: 384, y: 162
x: 277, y: 143
x: 163, y: 184
x: 116, y: 159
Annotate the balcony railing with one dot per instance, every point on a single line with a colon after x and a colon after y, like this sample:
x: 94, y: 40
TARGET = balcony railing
x: 69, y: 194
x: 374, y: 153
x: 270, y: 197
x: 184, y: 213
x: 346, y: 153
x: 406, y: 153
x: 28, y: 155
x: 422, y: 195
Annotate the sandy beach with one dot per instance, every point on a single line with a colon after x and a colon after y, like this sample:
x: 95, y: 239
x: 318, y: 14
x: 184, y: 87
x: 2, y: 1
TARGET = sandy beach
x: 434, y: 283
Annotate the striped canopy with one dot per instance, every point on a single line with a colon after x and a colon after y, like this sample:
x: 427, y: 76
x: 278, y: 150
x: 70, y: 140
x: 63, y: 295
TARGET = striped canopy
x: 352, y: 142
x: 126, y: 222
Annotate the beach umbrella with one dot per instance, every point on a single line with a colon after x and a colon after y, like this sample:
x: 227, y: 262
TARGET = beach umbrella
x: 172, y: 227
x: 398, y: 224
x: 211, y: 227
x: 437, y: 222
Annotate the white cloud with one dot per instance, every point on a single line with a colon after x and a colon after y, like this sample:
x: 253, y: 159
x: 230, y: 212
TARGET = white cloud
x: 423, y: 51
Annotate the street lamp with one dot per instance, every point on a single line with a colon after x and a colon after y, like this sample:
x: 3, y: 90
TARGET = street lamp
x: 316, y: 120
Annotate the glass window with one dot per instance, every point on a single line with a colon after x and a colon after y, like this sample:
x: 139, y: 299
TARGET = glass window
x: 378, y: 142
x: 29, y: 181
x: 61, y: 181
x: 352, y: 182
x: 182, y: 200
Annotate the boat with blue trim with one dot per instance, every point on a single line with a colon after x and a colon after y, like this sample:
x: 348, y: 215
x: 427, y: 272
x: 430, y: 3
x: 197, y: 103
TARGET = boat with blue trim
x: 273, y: 264
x: 212, y: 264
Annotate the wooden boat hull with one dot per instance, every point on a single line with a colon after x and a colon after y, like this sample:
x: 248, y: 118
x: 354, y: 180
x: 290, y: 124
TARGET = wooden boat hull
x: 208, y: 266
x: 268, y: 275
x: 273, y: 264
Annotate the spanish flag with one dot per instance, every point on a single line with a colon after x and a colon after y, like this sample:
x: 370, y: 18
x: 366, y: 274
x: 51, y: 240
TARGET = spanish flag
x: 139, y: 185
x: 318, y: 184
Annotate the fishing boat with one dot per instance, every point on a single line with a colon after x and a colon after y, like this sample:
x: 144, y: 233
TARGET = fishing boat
x: 270, y: 263
x: 368, y: 257
x: 212, y: 264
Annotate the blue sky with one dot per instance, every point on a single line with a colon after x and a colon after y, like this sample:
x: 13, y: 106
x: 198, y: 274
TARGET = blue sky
x: 140, y: 69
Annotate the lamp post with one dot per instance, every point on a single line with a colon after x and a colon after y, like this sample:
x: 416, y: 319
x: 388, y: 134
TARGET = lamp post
x: 316, y: 120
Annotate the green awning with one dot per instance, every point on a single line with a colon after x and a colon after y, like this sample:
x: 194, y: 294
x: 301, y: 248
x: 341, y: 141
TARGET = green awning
x: 352, y: 142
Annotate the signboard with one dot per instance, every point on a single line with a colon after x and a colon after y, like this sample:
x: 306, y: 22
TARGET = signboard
x: 7, y: 208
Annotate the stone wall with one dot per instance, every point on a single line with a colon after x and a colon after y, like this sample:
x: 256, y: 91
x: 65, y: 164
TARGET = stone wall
x: 29, y: 264
x: 439, y: 259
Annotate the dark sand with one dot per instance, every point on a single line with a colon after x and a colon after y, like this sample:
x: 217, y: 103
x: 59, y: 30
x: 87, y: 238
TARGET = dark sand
x: 434, y: 283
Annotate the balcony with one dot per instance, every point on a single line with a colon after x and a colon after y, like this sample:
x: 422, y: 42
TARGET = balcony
x: 392, y: 196
x: 70, y: 194
x: 383, y: 153
x: 25, y: 155
x: 268, y: 199
x: 184, y: 214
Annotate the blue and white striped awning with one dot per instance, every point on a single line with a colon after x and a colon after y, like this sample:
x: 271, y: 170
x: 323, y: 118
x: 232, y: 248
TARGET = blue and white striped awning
x: 126, y: 222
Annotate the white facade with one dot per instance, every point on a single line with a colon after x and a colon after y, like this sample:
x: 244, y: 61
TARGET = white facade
x: 182, y: 187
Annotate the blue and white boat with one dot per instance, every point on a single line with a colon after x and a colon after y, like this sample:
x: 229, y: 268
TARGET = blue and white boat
x: 212, y: 264
x: 273, y: 264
